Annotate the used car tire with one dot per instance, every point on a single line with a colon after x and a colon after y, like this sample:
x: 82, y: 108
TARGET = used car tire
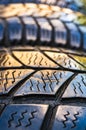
x: 42, y: 68
x: 38, y: 24
x: 42, y: 88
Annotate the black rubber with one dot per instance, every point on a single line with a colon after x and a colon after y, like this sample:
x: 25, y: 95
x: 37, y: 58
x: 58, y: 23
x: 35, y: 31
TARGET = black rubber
x: 33, y: 24
x: 42, y: 88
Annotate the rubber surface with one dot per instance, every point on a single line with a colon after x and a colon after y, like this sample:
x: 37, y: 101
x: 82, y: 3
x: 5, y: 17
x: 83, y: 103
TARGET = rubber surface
x: 76, y: 5
x: 33, y: 24
x: 42, y: 88
x: 42, y: 79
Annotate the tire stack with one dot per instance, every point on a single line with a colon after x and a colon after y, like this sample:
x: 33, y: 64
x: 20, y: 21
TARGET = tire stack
x: 42, y: 65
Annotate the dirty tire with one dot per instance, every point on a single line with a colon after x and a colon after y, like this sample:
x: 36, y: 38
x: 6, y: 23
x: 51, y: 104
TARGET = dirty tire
x: 42, y: 88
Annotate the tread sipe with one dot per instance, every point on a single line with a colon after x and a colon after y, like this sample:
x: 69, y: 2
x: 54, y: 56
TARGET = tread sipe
x: 33, y: 24
x: 42, y: 88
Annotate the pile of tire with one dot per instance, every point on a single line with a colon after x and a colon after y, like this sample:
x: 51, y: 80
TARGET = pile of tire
x: 42, y: 65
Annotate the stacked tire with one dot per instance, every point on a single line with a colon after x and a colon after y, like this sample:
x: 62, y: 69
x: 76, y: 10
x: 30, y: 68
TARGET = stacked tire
x: 42, y: 65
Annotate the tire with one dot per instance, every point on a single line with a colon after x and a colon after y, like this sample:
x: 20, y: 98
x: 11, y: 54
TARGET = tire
x: 75, y: 5
x: 42, y: 79
x: 33, y: 24
x: 42, y: 88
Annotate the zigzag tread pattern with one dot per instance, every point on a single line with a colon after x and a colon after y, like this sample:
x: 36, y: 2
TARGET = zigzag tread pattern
x: 77, y: 88
x: 23, y: 116
x: 49, y: 59
x: 69, y: 117
x: 6, y: 60
x: 43, y: 82
x: 10, y: 77
x: 34, y: 58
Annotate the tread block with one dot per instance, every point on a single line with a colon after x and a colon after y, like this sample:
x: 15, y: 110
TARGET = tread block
x: 59, y: 31
x: 79, y: 59
x: 65, y: 61
x: 9, y: 78
x: 31, y: 28
x: 33, y: 58
x: 75, y: 37
x: 70, y: 117
x: 45, y: 30
x: 68, y: 17
x: 23, y: 117
x: 77, y: 88
x: 6, y: 60
x: 14, y: 29
x: 38, y: 59
x: 44, y: 82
